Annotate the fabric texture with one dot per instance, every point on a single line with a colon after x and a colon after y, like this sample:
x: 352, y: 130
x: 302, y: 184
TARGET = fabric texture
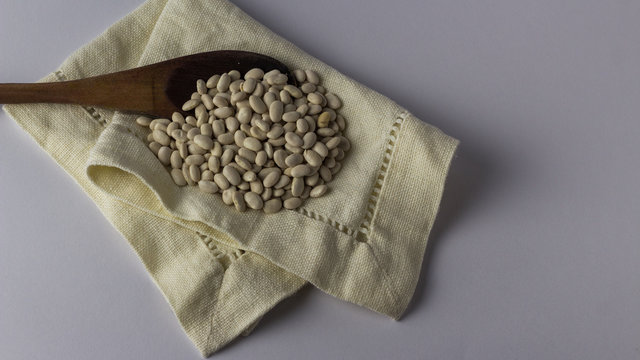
x: 222, y: 270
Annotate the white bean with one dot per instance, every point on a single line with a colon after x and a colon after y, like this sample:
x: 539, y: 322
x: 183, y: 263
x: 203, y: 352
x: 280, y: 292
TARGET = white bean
x: 208, y: 186
x: 253, y: 200
x: 176, y: 160
x: 271, y: 179
x: 318, y: 191
x: 300, y: 170
x: 143, y: 121
x: 227, y: 196
x: 272, y: 206
x: 257, y: 104
x: 223, y: 83
x: 194, y: 172
x: 194, y: 159
x: 276, y: 109
x: 238, y: 201
x: 164, y: 154
x: 177, y: 118
x: 190, y: 104
x: 201, y: 86
x: 232, y: 175
x: 213, y: 81
x: 292, y: 203
x: 254, y: 73
x: 297, y: 186
x: 252, y: 144
x: 204, y: 142
x: 178, y: 178
x: 333, y: 101
x: 221, y: 181
x: 313, y: 158
x: 312, y: 77
x: 161, y: 137
x: 293, y: 160
x: 299, y: 75
x: 291, y: 116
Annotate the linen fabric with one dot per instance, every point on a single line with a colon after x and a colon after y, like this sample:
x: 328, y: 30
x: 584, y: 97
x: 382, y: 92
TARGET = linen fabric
x: 221, y: 270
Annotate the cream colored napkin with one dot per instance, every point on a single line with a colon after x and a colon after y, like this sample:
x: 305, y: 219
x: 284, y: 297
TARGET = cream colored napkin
x: 221, y: 270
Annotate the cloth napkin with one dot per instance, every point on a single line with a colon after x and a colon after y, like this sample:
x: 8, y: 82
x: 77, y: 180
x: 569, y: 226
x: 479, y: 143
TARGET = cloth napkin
x: 221, y: 270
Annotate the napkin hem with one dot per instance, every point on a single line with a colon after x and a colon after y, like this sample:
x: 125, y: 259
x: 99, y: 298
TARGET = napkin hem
x: 413, y: 188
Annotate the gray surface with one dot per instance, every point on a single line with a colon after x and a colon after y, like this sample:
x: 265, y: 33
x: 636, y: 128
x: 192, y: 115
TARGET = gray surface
x: 535, y: 254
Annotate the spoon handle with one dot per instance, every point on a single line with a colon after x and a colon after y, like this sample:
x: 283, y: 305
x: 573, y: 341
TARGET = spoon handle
x: 31, y: 93
x: 157, y: 89
x: 126, y: 90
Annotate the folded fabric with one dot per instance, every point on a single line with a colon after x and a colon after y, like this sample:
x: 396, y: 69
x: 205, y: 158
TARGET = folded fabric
x: 222, y: 270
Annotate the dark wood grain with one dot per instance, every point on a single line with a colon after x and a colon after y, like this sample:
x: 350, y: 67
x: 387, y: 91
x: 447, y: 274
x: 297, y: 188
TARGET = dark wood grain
x: 158, y: 89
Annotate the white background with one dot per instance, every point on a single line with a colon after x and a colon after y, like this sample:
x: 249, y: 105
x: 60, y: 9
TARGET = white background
x: 536, y: 251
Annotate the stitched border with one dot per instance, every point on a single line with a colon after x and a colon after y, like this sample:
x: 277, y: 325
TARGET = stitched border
x: 392, y: 138
x: 327, y: 220
x: 93, y: 113
x: 224, y: 256
x: 362, y: 233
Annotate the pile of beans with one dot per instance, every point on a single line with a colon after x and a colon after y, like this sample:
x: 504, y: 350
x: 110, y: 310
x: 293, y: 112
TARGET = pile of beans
x: 258, y: 141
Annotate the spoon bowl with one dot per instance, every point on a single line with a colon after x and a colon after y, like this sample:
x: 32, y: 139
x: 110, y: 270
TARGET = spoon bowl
x: 158, y: 89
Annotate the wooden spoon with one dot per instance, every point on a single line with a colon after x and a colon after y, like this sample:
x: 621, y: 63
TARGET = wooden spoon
x: 158, y: 89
